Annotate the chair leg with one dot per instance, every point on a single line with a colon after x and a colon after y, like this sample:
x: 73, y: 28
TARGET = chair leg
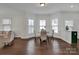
x: 40, y: 41
x: 48, y: 39
x: 35, y: 39
x: 47, y: 43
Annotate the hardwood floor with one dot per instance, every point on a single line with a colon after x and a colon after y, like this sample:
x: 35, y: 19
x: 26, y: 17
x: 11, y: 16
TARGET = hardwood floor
x: 32, y: 47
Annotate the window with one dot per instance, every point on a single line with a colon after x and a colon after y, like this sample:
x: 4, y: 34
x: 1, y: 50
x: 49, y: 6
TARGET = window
x: 68, y: 23
x: 6, y: 24
x: 30, y: 26
x: 6, y: 21
x: 55, y: 25
x: 42, y: 24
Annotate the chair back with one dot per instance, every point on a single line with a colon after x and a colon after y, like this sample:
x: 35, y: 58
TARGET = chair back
x: 43, y: 34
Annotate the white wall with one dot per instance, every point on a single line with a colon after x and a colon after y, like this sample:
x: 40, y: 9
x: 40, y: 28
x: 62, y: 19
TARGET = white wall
x: 27, y: 17
x: 66, y: 35
x: 42, y: 17
x: 16, y: 17
x: 20, y: 25
x: 48, y: 19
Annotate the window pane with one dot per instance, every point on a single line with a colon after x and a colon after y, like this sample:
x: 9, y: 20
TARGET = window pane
x: 6, y: 28
x: 68, y: 23
x: 31, y: 30
x: 6, y: 21
x: 42, y: 27
x: 30, y: 26
x: 42, y: 22
x: 55, y: 22
x: 55, y: 25
x: 55, y: 28
x: 30, y: 22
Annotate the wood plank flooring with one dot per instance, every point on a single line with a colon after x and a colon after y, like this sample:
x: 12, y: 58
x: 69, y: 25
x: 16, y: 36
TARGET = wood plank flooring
x: 32, y: 47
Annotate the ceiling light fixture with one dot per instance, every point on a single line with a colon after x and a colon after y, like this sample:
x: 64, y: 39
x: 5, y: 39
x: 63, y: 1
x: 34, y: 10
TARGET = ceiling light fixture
x: 42, y: 4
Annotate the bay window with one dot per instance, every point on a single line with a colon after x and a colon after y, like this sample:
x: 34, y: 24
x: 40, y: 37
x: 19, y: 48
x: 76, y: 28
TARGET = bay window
x: 42, y: 24
x: 30, y: 26
x: 55, y: 25
x: 6, y: 24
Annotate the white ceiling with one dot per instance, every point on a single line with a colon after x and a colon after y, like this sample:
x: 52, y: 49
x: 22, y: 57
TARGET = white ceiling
x: 37, y: 9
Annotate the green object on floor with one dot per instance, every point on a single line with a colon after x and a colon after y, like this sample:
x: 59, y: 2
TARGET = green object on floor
x: 74, y: 37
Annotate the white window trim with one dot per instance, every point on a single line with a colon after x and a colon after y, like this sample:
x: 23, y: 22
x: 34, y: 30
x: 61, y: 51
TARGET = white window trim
x: 6, y: 24
x: 30, y: 27
x: 44, y: 26
x: 55, y: 25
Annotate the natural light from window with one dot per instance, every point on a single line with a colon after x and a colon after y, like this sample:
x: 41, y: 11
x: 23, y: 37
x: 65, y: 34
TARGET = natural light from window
x: 6, y: 24
x: 30, y: 26
x: 55, y: 25
x: 42, y: 24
